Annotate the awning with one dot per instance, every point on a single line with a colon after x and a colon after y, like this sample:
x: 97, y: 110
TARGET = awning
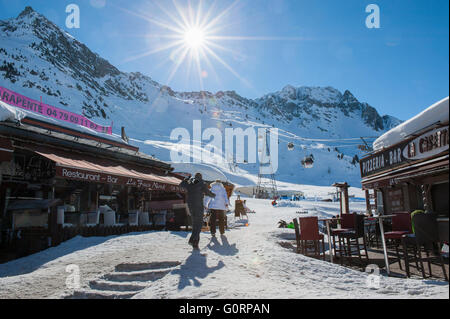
x: 438, y: 171
x: 80, y: 167
x: 431, y: 167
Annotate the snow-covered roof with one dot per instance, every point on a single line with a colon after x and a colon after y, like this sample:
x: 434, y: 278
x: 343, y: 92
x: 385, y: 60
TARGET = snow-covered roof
x: 10, y: 113
x: 209, y: 173
x: 436, y: 113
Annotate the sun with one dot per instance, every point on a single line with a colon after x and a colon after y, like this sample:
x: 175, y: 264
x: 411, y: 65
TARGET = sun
x: 194, y: 38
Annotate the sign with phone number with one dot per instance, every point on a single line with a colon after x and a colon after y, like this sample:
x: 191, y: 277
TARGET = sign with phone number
x: 18, y: 100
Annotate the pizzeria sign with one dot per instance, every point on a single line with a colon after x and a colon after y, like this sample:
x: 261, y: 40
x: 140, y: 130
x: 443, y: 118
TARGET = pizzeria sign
x: 424, y: 146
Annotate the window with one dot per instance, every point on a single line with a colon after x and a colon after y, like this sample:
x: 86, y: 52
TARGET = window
x: 439, y: 195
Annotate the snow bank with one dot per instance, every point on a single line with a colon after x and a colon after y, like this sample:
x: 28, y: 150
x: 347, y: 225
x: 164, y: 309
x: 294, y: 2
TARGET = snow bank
x: 437, y: 112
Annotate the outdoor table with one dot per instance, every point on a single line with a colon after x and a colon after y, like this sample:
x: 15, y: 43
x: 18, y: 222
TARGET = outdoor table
x: 327, y: 223
x: 383, y: 241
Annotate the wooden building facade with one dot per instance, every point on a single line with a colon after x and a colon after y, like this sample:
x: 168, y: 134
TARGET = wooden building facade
x: 53, y: 176
x: 410, y: 175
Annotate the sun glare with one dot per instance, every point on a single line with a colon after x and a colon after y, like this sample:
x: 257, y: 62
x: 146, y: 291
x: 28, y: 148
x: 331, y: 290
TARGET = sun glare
x: 194, y: 38
x: 192, y: 35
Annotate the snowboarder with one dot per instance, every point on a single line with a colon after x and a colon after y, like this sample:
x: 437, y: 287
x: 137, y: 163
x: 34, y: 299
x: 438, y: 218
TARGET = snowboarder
x: 196, y: 189
x: 218, y: 206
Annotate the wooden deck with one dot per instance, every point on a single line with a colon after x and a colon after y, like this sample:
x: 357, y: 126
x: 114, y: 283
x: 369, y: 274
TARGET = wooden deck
x: 376, y: 257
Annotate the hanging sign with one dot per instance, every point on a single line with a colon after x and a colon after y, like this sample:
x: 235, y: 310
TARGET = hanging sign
x: 105, y: 178
x: 428, y: 144
x: 424, y: 146
x: 18, y: 100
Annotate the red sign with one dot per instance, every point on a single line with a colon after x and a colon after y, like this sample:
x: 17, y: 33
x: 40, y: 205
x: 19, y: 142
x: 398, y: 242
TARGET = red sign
x: 18, y: 100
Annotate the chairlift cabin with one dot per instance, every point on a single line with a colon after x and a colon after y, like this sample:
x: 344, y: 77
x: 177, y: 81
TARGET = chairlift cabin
x: 290, y: 146
x: 308, y: 161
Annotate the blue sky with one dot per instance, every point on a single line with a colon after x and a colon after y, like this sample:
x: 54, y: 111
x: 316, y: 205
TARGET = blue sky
x: 400, y: 68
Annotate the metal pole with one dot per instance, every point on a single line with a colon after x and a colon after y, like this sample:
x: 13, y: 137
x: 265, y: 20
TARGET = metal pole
x: 386, y: 260
x: 329, y: 240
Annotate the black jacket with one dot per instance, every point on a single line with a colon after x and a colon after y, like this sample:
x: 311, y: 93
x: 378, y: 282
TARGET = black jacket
x: 196, y: 190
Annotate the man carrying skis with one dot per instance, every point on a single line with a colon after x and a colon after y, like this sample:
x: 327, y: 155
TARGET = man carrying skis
x: 196, y: 190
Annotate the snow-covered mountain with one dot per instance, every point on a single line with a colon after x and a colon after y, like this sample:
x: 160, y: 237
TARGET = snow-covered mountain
x: 37, y: 58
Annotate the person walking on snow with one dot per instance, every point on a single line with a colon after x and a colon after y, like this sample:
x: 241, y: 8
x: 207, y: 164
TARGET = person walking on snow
x: 196, y: 190
x: 218, y: 206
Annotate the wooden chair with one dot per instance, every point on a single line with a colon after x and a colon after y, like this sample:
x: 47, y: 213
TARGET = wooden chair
x: 347, y: 224
x: 401, y: 225
x: 352, y: 238
x: 426, y: 236
x: 307, y: 235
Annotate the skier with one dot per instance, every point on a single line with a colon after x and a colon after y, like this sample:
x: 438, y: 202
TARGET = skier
x: 196, y: 189
x: 218, y: 206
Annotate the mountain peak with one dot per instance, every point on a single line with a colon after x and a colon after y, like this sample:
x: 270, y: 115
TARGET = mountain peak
x: 290, y: 91
x: 288, y: 88
x: 348, y: 97
x: 348, y: 93
x: 26, y: 12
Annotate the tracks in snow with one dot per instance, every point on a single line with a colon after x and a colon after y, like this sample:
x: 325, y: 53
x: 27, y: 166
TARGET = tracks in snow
x: 126, y: 281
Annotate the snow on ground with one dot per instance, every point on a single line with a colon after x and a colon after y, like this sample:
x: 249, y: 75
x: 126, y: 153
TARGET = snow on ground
x: 248, y: 262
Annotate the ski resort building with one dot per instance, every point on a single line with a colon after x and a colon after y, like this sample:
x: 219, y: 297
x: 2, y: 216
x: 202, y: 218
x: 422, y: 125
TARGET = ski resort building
x: 58, y: 181
x: 409, y: 168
